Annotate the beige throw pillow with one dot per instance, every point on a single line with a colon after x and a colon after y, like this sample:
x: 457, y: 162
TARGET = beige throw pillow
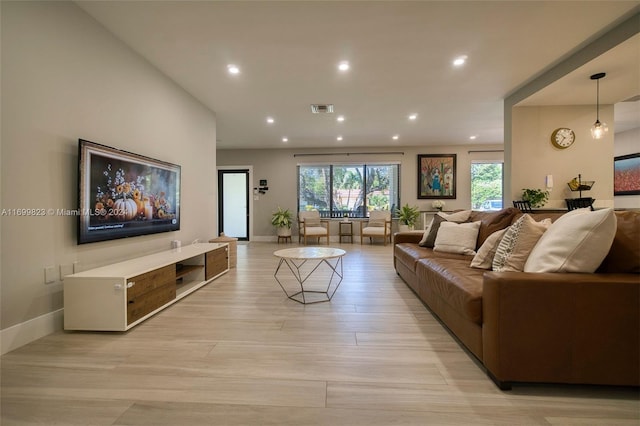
x: 309, y: 222
x: 429, y: 236
x: 457, y: 238
x: 577, y: 242
x: 517, y: 243
x: 484, y: 258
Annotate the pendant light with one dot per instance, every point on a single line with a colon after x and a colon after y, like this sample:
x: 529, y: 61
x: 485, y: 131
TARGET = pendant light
x: 599, y: 129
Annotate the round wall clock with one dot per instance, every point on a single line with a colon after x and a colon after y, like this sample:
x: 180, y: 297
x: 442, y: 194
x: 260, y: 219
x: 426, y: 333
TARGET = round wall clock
x: 562, y: 138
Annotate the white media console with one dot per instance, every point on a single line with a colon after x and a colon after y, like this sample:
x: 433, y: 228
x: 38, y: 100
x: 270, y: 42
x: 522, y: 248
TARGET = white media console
x: 117, y: 297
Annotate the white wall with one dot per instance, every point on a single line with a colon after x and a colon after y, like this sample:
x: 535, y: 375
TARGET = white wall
x: 533, y: 157
x: 279, y: 168
x: 65, y: 77
x: 627, y: 143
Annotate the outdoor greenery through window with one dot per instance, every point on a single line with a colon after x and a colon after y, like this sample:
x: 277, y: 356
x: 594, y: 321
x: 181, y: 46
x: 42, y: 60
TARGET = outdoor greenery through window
x: 350, y: 190
x: 486, y: 186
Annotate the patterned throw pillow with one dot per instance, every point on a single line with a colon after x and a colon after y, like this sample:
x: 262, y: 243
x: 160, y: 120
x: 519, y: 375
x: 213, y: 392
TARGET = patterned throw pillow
x: 517, y: 243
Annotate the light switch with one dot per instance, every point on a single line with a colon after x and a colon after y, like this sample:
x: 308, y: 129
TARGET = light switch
x: 50, y: 274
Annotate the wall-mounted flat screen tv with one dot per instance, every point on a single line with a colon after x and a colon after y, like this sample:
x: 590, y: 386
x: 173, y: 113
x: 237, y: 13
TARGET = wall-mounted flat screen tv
x: 122, y: 194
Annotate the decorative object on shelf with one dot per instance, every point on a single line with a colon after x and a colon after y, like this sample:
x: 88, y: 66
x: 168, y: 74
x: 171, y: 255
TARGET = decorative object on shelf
x: 626, y: 174
x: 535, y: 197
x: 408, y: 215
x: 436, y: 176
x: 282, y: 220
x: 599, y: 129
x: 577, y: 184
x: 563, y: 138
x: 438, y: 205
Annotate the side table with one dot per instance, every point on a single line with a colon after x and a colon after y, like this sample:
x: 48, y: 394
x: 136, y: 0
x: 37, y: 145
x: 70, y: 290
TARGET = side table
x: 346, y: 230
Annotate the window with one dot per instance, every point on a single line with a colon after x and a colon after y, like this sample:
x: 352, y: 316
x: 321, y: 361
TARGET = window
x: 348, y: 189
x: 486, y: 186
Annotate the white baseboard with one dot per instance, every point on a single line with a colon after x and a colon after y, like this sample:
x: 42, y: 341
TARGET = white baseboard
x: 20, y: 334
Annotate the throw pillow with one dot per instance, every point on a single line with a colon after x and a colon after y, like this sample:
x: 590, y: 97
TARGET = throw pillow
x: 312, y: 222
x: 457, y: 237
x: 377, y: 223
x: 484, y: 258
x: 517, y: 243
x: 577, y: 242
x: 429, y: 237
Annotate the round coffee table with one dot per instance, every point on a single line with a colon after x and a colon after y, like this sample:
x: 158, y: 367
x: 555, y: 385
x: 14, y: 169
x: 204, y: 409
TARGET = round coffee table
x: 295, y: 260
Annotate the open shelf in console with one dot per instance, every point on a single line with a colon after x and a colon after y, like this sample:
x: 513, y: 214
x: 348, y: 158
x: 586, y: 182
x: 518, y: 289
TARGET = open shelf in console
x: 118, y: 296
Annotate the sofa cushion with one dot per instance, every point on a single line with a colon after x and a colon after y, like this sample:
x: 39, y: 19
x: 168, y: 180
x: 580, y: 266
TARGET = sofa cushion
x: 624, y: 255
x: 484, y: 258
x: 429, y: 238
x: 492, y: 222
x: 311, y: 222
x: 409, y: 254
x: 455, y: 283
x: 457, y: 238
x: 577, y: 242
x: 517, y: 243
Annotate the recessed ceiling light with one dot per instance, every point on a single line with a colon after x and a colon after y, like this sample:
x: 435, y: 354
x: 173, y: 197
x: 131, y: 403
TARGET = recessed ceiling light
x: 472, y: 137
x: 395, y: 137
x: 270, y: 120
x: 340, y: 118
x: 343, y: 66
x: 233, y: 69
x: 285, y: 139
x: 413, y: 116
x: 339, y: 138
x: 460, y: 61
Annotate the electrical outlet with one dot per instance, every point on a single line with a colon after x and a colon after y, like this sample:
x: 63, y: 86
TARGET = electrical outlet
x: 50, y: 274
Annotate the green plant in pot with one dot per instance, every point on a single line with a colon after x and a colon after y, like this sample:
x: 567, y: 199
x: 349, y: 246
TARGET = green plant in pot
x: 408, y: 215
x: 535, y: 197
x: 282, y: 220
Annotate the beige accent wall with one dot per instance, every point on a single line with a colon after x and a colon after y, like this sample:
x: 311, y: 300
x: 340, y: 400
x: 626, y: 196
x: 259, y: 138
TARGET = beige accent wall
x: 533, y: 156
x: 279, y: 168
x: 65, y: 77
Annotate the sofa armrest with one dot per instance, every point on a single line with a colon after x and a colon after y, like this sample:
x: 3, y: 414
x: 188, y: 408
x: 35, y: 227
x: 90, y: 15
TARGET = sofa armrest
x: 561, y: 328
x: 407, y: 237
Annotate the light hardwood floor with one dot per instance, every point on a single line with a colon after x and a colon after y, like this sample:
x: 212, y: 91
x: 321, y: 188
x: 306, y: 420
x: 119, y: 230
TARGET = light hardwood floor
x: 238, y: 352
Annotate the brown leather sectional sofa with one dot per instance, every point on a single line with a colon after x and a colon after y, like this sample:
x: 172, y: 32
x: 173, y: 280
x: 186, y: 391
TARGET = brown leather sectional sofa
x: 536, y: 327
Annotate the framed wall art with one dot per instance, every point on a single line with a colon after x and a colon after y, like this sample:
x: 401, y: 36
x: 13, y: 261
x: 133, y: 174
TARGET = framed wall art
x: 626, y: 174
x: 436, y: 176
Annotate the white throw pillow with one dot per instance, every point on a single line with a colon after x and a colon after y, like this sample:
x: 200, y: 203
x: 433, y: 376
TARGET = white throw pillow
x: 429, y: 236
x: 484, y: 258
x: 577, y: 242
x: 517, y: 243
x: 457, y: 237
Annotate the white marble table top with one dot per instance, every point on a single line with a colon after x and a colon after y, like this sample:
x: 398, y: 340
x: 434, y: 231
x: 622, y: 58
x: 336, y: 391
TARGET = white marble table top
x: 310, y: 253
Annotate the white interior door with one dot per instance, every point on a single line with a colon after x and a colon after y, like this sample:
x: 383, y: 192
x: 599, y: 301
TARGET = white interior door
x: 233, y: 199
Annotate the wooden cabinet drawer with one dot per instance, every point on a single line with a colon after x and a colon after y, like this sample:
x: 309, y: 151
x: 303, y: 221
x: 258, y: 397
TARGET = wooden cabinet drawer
x: 150, y: 281
x: 216, y: 262
x: 139, y: 306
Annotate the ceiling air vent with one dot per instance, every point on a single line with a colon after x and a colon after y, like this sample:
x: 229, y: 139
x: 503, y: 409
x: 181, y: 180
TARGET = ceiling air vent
x: 321, y: 108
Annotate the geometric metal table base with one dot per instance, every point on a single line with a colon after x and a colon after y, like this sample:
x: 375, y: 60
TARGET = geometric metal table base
x: 295, y: 259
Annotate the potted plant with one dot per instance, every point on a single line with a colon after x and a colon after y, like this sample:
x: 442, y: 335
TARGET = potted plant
x: 535, y: 197
x: 282, y: 220
x: 407, y: 216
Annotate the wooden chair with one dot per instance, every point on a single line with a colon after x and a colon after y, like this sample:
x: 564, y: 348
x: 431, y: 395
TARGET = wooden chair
x: 378, y: 225
x: 579, y: 203
x: 310, y: 225
x: 523, y: 205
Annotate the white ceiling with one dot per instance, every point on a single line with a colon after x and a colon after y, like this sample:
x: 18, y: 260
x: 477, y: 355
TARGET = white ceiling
x: 400, y: 55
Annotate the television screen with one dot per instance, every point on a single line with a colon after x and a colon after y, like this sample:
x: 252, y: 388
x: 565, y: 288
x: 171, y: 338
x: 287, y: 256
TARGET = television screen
x: 122, y: 194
